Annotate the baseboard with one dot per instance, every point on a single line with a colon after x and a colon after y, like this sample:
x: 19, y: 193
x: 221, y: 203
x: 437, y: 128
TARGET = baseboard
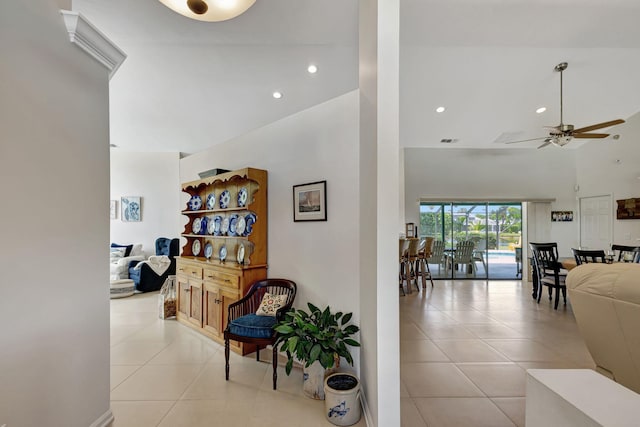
x: 368, y: 419
x: 105, y: 420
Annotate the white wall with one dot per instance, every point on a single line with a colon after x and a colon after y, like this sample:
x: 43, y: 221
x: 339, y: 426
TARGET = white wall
x: 156, y: 178
x: 600, y: 174
x: 525, y: 174
x: 54, y: 186
x: 317, y: 144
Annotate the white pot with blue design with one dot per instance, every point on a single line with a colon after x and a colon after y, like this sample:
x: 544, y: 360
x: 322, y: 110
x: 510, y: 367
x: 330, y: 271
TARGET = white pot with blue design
x: 342, y: 399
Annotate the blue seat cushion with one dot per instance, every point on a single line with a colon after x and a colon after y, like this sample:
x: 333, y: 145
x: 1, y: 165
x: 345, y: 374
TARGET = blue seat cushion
x: 253, y: 326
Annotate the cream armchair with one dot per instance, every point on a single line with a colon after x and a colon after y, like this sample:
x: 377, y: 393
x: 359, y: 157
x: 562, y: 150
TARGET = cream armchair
x: 119, y: 263
x: 606, y: 303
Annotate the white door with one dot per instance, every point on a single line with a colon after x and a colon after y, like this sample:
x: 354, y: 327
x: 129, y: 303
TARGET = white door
x: 595, y: 222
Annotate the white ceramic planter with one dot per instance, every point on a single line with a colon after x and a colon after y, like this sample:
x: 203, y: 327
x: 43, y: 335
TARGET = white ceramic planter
x: 341, y: 402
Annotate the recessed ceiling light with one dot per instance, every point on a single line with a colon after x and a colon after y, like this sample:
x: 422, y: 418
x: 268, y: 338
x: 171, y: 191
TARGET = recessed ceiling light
x: 440, y: 109
x: 541, y: 110
x: 312, y: 69
x: 277, y: 95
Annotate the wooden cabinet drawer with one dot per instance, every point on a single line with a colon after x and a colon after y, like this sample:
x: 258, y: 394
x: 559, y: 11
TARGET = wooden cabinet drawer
x: 224, y: 279
x: 189, y: 270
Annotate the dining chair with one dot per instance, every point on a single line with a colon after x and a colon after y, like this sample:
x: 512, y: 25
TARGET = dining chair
x: 518, y: 255
x: 585, y: 256
x: 549, y: 270
x: 437, y: 254
x: 249, y: 323
x: 627, y: 253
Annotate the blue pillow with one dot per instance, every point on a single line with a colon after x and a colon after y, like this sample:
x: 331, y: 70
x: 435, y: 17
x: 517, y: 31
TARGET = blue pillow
x: 127, y: 251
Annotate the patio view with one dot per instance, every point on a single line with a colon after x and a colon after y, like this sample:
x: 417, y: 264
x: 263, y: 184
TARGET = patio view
x: 481, y: 240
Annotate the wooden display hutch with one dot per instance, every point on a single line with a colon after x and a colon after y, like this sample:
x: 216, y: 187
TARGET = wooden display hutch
x: 206, y: 286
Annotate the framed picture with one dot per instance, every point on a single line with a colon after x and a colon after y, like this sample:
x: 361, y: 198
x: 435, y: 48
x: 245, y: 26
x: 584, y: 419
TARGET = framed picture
x: 130, y: 209
x: 310, y: 201
x: 113, y: 209
x: 561, y: 216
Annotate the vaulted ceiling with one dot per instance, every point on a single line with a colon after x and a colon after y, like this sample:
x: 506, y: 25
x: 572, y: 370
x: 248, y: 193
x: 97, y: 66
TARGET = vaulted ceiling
x: 187, y: 85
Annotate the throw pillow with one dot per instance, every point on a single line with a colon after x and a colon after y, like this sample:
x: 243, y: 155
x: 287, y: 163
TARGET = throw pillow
x: 270, y: 304
x: 117, y: 254
x: 128, y: 248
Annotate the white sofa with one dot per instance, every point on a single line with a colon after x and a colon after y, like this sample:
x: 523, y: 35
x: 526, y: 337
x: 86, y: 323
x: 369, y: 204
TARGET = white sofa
x: 119, y: 264
x: 606, y: 303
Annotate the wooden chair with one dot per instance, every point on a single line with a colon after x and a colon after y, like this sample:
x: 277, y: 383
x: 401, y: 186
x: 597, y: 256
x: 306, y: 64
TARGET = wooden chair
x: 243, y: 325
x: 518, y: 254
x: 463, y: 256
x: 584, y: 256
x: 403, y: 264
x: 424, y: 253
x: 549, y: 271
x: 437, y: 254
x: 627, y: 253
x: 479, y: 254
x: 417, y: 265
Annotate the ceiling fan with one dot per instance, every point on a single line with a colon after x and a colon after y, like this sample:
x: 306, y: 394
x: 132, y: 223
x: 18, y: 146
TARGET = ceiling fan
x: 563, y: 133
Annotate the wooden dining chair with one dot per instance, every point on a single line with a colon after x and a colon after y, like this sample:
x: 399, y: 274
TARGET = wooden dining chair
x: 549, y: 270
x: 627, y: 253
x: 403, y: 264
x: 417, y: 265
x: 585, y: 256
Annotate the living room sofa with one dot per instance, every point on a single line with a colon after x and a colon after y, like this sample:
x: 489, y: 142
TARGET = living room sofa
x: 606, y: 303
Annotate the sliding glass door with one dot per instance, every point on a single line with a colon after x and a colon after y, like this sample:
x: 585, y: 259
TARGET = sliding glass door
x: 473, y: 240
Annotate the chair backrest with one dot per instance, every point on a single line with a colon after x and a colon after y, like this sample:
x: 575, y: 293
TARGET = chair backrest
x: 414, y: 247
x: 437, y: 251
x: 464, y: 251
x: 627, y: 253
x: 545, y: 258
x: 274, y: 287
x: 168, y: 247
x: 403, y: 245
x: 426, y: 246
x: 584, y: 256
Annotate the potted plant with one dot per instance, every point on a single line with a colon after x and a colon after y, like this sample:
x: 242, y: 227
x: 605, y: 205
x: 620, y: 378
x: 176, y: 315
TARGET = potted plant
x: 318, y: 339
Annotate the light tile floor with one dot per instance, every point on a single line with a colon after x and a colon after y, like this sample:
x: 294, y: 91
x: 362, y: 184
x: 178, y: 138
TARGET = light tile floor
x: 165, y: 374
x: 464, y: 350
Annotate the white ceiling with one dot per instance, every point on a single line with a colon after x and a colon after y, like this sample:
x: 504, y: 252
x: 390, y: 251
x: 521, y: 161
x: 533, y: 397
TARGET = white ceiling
x: 187, y: 85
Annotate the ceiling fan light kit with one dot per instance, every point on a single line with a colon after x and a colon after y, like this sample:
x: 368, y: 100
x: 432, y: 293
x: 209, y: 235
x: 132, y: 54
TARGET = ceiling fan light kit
x: 562, y: 134
x: 209, y: 10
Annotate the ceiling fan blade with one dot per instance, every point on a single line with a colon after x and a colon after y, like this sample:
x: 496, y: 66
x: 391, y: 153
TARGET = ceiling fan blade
x: 546, y: 142
x: 590, y: 135
x: 526, y: 140
x: 598, y: 126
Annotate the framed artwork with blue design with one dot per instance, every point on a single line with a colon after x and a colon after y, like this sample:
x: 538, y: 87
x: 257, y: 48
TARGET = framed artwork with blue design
x: 131, y: 209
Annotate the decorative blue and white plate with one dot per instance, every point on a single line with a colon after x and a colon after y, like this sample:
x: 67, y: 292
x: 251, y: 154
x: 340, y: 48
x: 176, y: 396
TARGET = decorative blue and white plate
x: 242, y: 197
x: 232, y: 224
x: 250, y: 219
x: 208, y: 250
x: 196, y: 227
x: 240, y: 254
x: 203, y: 225
x: 211, y: 201
x: 195, y: 203
x: 195, y: 247
x: 211, y: 226
x: 217, y: 225
x: 241, y: 225
x: 223, y: 253
x: 225, y: 198
x: 224, y: 228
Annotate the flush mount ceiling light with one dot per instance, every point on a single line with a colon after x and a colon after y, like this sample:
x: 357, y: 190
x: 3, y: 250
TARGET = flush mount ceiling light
x: 440, y: 109
x: 312, y: 69
x: 541, y: 110
x: 277, y: 95
x: 209, y: 10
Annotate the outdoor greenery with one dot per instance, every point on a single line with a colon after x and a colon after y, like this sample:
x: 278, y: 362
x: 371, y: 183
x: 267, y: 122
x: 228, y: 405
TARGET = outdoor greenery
x: 317, y: 335
x: 469, y: 222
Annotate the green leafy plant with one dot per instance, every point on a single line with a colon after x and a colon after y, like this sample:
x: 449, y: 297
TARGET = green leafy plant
x: 317, y: 335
